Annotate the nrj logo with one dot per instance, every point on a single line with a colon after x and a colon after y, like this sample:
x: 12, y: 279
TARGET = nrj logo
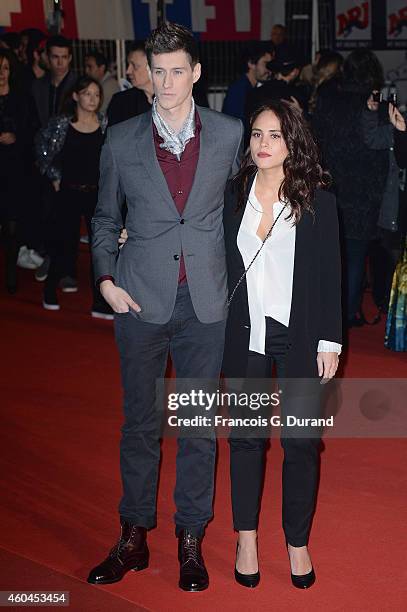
x: 397, y: 21
x: 356, y: 17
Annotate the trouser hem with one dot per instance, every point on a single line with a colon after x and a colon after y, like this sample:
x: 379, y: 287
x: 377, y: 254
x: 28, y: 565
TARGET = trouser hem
x: 139, y: 521
x: 245, y: 526
x: 197, y: 531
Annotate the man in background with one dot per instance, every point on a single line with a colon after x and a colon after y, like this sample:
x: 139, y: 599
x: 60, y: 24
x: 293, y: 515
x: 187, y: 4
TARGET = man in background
x: 280, y: 87
x: 97, y: 68
x: 139, y: 97
x: 49, y: 91
x: 255, y: 60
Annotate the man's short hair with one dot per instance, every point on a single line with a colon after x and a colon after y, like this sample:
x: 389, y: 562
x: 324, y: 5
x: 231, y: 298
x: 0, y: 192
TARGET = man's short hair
x: 284, y: 66
x: 255, y: 51
x: 99, y: 58
x: 137, y: 46
x: 171, y: 37
x: 59, y: 41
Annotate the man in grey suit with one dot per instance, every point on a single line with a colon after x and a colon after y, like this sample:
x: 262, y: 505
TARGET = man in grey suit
x: 168, y: 288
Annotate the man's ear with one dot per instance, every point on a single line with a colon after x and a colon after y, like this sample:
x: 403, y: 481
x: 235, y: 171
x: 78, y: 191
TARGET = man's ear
x: 196, y: 72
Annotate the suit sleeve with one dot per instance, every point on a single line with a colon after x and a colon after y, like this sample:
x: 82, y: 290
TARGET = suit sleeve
x: 107, y: 221
x: 239, y: 152
x: 376, y: 136
x: 400, y: 148
x: 330, y: 327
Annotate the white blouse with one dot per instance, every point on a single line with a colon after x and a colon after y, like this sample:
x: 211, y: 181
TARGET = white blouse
x: 270, y: 279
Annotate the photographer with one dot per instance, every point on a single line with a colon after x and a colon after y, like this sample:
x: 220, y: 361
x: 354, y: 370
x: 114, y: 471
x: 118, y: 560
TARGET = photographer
x: 378, y: 120
x: 358, y: 172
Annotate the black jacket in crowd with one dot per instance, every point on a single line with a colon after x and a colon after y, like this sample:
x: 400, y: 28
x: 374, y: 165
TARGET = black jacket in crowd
x: 359, y: 173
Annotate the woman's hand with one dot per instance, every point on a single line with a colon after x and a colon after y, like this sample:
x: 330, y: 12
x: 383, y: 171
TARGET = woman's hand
x: 7, y: 138
x: 371, y: 103
x: 327, y: 365
x: 56, y: 185
x: 396, y: 118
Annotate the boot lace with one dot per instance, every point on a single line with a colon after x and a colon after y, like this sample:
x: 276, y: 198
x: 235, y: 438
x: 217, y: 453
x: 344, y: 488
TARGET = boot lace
x: 191, y: 549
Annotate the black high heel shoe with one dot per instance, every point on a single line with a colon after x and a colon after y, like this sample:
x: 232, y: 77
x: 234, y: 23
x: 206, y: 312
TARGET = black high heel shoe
x: 246, y: 580
x: 302, y: 581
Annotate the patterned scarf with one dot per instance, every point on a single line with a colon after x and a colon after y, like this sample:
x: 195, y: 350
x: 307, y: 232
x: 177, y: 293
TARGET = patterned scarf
x: 175, y: 143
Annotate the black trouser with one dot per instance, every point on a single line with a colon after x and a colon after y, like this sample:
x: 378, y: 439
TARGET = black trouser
x: 196, y: 351
x: 301, y: 458
x: 68, y: 206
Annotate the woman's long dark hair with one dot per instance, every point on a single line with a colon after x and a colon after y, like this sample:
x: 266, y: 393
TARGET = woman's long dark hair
x: 69, y: 106
x: 303, y: 173
x: 13, y: 80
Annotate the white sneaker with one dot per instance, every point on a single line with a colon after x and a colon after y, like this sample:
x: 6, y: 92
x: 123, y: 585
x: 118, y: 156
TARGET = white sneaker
x: 102, y: 315
x: 24, y: 260
x: 51, y: 306
x: 29, y: 259
x: 36, y: 258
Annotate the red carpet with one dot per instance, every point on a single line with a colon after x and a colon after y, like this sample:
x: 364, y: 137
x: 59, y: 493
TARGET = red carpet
x: 60, y: 483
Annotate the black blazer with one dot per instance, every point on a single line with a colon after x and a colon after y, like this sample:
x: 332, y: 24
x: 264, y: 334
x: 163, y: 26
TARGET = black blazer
x: 316, y: 298
x: 127, y: 104
x: 132, y: 102
x: 40, y: 93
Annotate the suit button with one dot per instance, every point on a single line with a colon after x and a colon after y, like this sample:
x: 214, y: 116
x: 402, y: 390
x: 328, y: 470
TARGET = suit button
x: 182, y: 221
x: 176, y: 257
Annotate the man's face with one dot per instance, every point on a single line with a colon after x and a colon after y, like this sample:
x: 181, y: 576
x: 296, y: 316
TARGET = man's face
x: 261, y: 72
x: 93, y: 70
x: 137, y: 70
x: 173, y: 78
x: 59, y: 60
x: 277, y: 35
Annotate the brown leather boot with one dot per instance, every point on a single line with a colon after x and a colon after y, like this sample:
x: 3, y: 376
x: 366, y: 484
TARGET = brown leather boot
x: 130, y: 553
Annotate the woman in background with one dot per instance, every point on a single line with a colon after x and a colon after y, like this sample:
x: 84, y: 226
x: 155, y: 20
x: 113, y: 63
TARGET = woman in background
x: 17, y: 126
x: 68, y: 152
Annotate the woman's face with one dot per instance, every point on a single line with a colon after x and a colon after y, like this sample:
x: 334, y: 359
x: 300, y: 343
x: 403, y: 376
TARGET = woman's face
x: 267, y: 144
x: 88, y: 99
x: 4, y: 71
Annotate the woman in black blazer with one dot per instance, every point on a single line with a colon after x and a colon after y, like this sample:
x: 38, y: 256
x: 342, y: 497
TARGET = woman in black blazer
x: 286, y: 311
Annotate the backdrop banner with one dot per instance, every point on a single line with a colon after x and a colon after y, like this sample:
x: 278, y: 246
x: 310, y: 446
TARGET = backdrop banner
x: 134, y: 19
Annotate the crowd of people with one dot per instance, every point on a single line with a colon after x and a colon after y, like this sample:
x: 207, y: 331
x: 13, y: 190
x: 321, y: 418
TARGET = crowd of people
x: 53, y: 122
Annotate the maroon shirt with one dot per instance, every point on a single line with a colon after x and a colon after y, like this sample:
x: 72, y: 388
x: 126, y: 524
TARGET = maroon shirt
x: 179, y: 176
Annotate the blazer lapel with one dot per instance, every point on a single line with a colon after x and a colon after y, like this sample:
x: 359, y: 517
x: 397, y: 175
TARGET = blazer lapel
x: 239, y: 214
x: 146, y: 150
x: 207, y: 145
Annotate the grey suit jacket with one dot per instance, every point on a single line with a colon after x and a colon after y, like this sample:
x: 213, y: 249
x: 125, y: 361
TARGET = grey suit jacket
x: 148, y: 264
